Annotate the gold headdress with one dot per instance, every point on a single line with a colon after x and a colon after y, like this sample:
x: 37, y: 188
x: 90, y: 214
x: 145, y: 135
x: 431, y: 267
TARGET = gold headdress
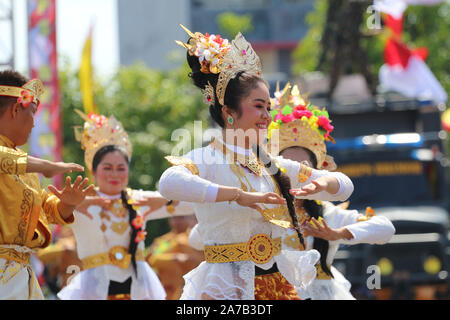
x: 217, y: 56
x: 98, y: 132
x: 28, y: 93
x: 241, y: 57
x: 300, y: 124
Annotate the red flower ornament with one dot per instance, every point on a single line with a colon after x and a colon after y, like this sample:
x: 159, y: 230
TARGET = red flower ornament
x: 26, y: 98
x: 140, y: 236
x: 138, y: 222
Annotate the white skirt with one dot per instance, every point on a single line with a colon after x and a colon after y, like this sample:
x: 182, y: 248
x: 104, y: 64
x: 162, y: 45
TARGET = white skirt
x: 236, y: 280
x: 338, y: 288
x: 93, y: 284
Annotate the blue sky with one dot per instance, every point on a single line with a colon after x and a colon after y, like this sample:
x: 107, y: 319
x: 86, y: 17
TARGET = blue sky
x: 74, y: 18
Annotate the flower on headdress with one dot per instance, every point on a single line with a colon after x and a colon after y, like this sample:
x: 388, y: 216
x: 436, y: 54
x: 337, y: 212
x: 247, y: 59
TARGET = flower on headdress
x: 210, y: 50
x: 26, y: 98
x: 300, y: 107
x: 324, y: 122
x: 138, y: 222
x: 298, y: 114
x: 140, y: 236
x: 286, y: 119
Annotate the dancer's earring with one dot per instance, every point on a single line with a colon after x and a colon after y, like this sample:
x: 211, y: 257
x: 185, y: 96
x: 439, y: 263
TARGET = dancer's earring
x: 230, y: 120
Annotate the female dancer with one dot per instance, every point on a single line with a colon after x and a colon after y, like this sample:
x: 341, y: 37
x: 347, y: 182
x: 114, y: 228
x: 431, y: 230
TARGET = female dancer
x: 242, y: 239
x: 110, y: 228
x: 302, y: 130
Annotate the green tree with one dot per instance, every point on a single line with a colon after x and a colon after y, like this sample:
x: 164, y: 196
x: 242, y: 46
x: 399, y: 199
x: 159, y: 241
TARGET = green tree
x: 150, y: 105
x: 230, y: 24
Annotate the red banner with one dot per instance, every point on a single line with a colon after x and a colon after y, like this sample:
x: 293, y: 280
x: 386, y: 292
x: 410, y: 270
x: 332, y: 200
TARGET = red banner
x: 46, y: 137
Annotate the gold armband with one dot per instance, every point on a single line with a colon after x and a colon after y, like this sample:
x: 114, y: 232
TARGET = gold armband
x: 304, y: 173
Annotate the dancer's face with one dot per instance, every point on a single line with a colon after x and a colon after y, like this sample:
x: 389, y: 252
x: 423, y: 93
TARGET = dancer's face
x: 111, y: 175
x: 297, y: 154
x: 255, y: 114
x: 23, y: 122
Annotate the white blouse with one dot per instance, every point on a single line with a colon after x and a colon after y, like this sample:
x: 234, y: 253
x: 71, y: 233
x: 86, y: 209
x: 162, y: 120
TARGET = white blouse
x: 92, y: 284
x: 224, y: 223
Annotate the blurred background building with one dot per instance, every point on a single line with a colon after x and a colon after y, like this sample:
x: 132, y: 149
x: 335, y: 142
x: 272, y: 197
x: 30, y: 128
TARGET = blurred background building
x: 277, y: 26
x: 6, y: 35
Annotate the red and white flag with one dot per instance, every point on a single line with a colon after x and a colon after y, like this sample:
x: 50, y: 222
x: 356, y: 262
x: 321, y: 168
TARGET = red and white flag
x: 405, y: 70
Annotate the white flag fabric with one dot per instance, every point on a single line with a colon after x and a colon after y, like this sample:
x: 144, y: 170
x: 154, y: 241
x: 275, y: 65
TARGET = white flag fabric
x: 414, y: 81
x: 396, y: 8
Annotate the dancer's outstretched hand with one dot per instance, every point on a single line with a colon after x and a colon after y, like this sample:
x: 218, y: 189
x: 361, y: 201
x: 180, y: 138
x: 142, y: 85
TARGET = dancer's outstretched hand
x: 154, y: 202
x: 71, y: 195
x: 92, y: 201
x: 320, y: 229
x: 315, y: 186
x: 251, y: 199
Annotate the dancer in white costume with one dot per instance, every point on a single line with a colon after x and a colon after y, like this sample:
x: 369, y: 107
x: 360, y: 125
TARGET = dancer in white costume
x: 110, y: 227
x: 302, y: 130
x: 238, y: 192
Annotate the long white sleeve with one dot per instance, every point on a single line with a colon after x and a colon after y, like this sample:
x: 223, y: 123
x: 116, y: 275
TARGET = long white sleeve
x: 376, y: 230
x: 178, y: 183
x: 293, y: 169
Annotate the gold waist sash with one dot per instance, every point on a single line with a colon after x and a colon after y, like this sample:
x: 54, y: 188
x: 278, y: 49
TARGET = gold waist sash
x: 260, y: 249
x: 10, y: 254
x: 116, y: 256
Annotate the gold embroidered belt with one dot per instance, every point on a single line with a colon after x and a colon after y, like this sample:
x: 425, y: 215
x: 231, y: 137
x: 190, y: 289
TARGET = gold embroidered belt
x: 260, y: 249
x: 116, y: 256
x: 10, y: 254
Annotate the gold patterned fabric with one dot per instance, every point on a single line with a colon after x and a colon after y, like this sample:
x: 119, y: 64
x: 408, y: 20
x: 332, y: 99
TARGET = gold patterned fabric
x: 116, y: 256
x: 18, y: 282
x: 26, y: 210
x: 274, y: 286
x: 122, y: 296
x: 260, y: 249
x: 251, y: 162
x: 34, y: 87
x: 321, y: 275
x: 10, y: 254
x: 187, y: 163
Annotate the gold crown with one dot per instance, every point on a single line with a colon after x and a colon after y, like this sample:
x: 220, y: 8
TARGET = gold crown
x: 222, y: 58
x: 35, y: 88
x: 300, y: 132
x: 99, y: 131
x: 241, y: 57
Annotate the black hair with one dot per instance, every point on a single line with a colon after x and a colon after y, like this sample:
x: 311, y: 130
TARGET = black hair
x: 284, y: 184
x: 238, y: 88
x: 315, y: 210
x: 10, y: 78
x: 99, y: 155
